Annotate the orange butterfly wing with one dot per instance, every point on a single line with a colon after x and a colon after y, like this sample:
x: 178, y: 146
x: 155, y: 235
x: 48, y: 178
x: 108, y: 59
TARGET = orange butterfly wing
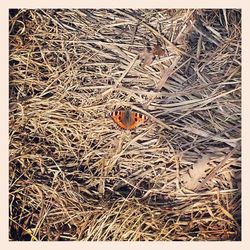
x: 117, y: 117
x: 138, y: 118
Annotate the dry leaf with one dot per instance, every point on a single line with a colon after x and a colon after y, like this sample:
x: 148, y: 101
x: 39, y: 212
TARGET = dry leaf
x: 157, y: 50
x: 146, y: 57
x: 199, y: 170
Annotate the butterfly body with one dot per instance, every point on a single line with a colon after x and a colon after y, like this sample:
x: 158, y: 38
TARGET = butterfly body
x: 127, y: 119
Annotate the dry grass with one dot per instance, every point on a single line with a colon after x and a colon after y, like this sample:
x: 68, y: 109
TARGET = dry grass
x: 74, y: 175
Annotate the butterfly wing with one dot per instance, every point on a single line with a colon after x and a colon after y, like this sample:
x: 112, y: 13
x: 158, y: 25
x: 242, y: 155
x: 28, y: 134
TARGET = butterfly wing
x: 138, y: 119
x: 117, y: 117
x: 123, y: 121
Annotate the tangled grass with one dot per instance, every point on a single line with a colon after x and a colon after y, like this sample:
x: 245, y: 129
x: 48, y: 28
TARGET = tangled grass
x: 74, y: 174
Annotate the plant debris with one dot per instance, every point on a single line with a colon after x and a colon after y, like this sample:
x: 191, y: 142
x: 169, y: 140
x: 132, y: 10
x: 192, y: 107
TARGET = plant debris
x: 74, y: 175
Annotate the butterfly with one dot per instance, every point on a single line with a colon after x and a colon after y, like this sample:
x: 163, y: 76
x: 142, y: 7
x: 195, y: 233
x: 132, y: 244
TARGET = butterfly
x: 127, y: 119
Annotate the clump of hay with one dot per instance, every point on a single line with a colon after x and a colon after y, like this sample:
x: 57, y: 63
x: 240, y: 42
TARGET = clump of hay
x: 74, y: 175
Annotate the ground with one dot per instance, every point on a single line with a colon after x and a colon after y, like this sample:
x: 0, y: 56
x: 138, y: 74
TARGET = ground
x: 75, y: 174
